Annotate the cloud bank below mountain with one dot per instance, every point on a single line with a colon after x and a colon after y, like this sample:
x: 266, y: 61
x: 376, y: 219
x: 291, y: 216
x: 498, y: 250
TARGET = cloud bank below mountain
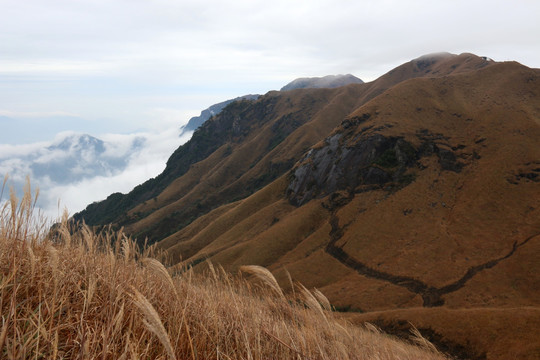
x: 76, y: 169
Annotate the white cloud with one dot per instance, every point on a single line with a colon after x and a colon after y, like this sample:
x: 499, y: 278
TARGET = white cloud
x: 119, y: 145
x: 173, y: 118
x: 46, y: 156
x: 15, y: 168
x: 193, y: 37
x: 16, y: 151
x: 143, y: 165
x: 140, y: 163
x: 42, y: 67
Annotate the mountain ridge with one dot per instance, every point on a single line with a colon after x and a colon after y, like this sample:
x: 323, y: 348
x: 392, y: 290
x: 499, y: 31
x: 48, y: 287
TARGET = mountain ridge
x: 417, y: 193
x: 195, y: 122
x: 198, y: 148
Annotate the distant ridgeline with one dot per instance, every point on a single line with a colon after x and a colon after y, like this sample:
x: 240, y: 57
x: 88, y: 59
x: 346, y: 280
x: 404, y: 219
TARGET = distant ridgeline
x: 329, y: 81
x: 203, y: 143
x: 215, y: 109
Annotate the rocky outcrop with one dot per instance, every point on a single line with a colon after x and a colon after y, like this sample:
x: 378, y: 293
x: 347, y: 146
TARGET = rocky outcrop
x: 365, y: 159
x: 372, y: 162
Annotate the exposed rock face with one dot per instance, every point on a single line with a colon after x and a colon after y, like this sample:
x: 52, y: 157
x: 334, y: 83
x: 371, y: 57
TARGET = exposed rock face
x: 366, y: 160
x: 372, y: 162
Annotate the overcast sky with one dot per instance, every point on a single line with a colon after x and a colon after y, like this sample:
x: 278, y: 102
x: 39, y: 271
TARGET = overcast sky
x: 125, y: 66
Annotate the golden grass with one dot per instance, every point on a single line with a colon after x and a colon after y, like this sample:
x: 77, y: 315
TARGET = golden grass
x: 67, y: 294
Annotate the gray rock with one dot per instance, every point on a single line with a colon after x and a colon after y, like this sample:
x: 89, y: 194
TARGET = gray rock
x: 373, y: 160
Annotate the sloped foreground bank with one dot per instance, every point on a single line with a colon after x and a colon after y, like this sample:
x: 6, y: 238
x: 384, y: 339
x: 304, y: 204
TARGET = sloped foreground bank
x: 96, y: 296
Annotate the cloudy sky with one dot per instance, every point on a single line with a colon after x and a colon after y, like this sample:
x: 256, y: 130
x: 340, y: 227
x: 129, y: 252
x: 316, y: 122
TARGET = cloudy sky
x: 146, y: 66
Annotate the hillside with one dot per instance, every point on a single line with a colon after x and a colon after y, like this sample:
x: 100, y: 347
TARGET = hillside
x: 415, y: 197
x: 72, y: 295
x: 245, y: 147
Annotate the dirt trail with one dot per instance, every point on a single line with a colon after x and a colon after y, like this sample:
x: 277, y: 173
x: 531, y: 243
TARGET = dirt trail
x: 431, y: 296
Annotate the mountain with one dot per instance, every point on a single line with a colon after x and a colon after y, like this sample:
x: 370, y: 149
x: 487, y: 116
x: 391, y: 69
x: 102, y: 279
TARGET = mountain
x: 412, y: 198
x: 329, y: 81
x: 79, y: 156
x: 76, y: 157
x: 247, y: 146
x: 71, y: 158
x: 196, y: 121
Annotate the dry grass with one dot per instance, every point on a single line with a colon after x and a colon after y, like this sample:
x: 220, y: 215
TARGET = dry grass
x: 70, y: 294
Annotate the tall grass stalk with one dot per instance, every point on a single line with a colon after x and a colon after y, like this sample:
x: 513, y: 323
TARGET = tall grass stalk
x: 72, y: 293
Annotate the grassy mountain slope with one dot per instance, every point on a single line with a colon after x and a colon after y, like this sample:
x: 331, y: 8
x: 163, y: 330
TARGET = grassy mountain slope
x: 444, y: 214
x: 71, y: 294
x: 497, y: 332
x: 246, y: 147
x: 416, y: 195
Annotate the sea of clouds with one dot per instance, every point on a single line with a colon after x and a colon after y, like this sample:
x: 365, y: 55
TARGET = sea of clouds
x: 75, y: 169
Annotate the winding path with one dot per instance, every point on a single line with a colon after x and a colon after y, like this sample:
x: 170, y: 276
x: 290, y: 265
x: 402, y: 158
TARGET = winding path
x: 431, y: 296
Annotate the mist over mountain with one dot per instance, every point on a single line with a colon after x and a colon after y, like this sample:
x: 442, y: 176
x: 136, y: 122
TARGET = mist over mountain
x: 329, y: 81
x: 69, y: 158
x: 76, y: 168
x: 80, y: 156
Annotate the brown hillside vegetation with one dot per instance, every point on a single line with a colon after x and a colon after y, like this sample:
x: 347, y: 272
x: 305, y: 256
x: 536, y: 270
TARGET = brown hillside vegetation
x: 246, y: 147
x: 457, y: 224
x: 415, y: 197
x: 88, y: 296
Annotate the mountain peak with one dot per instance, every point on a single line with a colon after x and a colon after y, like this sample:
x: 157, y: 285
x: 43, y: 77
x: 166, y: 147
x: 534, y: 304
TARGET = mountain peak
x: 328, y: 81
x: 75, y: 141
